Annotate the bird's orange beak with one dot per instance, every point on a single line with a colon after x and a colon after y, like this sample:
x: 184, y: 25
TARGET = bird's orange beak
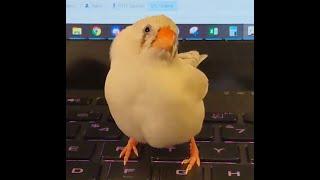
x: 165, y: 39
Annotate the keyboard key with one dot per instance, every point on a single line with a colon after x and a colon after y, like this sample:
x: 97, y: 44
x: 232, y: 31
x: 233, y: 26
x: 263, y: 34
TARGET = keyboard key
x: 80, y: 170
x: 232, y: 172
x: 237, y: 133
x: 72, y: 130
x: 176, y: 153
x: 78, y: 101
x: 103, y: 130
x: 219, y: 152
x: 206, y: 133
x: 132, y: 171
x: 84, y: 116
x: 221, y: 117
x: 250, y: 151
x: 101, y: 101
x: 113, y: 149
x: 176, y: 171
x: 248, y: 118
x: 83, y: 150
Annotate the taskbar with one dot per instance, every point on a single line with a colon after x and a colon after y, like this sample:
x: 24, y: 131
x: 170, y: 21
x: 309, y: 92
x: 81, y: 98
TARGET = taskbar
x: 195, y: 32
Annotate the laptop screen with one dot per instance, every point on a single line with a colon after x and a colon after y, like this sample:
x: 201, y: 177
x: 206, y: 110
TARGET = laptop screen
x: 196, y: 19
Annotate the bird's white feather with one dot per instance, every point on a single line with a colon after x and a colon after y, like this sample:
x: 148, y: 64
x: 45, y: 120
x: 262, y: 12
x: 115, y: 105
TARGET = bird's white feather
x: 192, y: 57
x: 154, y: 100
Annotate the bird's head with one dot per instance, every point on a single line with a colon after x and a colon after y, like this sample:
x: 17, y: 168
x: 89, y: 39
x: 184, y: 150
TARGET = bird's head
x: 154, y: 36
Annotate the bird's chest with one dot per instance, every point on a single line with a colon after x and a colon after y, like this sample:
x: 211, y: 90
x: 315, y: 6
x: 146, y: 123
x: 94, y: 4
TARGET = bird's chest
x: 145, y: 86
x: 144, y: 95
x: 145, y: 98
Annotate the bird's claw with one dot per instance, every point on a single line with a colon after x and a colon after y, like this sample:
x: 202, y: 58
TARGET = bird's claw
x: 194, y: 156
x: 126, y: 151
x: 191, y: 161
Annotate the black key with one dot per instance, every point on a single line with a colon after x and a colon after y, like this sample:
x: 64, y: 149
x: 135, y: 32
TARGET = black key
x: 84, y: 116
x: 112, y: 150
x: 101, y: 101
x: 219, y: 152
x: 81, y: 170
x: 237, y: 133
x: 83, y: 150
x: 250, y: 150
x: 103, y: 130
x: 132, y: 171
x: 78, y: 101
x: 206, y: 133
x: 176, y: 171
x: 176, y: 153
x: 72, y: 130
x: 221, y: 117
x: 232, y: 172
x: 248, y: 118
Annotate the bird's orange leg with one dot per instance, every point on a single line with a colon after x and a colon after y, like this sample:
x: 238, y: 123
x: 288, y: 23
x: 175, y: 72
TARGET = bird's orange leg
x: 126, y: 151
x: 194, y: 156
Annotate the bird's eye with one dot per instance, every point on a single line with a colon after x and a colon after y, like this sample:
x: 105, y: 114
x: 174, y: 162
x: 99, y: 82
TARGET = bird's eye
x: 147, y: 29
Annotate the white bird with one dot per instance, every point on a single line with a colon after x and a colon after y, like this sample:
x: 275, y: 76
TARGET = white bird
x: 154, y: 94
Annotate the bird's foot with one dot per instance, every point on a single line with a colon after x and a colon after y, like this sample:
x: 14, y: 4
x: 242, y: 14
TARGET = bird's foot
x: 126, y: 151
x: 194, y: 156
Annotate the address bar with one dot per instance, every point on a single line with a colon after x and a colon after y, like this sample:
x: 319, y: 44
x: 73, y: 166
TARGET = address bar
x: 150, y: 5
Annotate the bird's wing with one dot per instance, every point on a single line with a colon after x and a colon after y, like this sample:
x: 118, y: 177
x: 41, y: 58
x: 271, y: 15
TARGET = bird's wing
x: 198, y: 84
x: 194, y: 80
x: 192, y: 57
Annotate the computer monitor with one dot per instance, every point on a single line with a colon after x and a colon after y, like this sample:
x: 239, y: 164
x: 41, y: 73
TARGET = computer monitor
x: 196, y: 19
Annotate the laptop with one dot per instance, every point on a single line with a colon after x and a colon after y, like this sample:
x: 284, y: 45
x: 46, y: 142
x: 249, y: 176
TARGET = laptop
x: 223, y: 29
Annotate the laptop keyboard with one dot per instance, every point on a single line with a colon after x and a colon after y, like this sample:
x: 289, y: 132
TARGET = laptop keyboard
x: 94, y: 142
